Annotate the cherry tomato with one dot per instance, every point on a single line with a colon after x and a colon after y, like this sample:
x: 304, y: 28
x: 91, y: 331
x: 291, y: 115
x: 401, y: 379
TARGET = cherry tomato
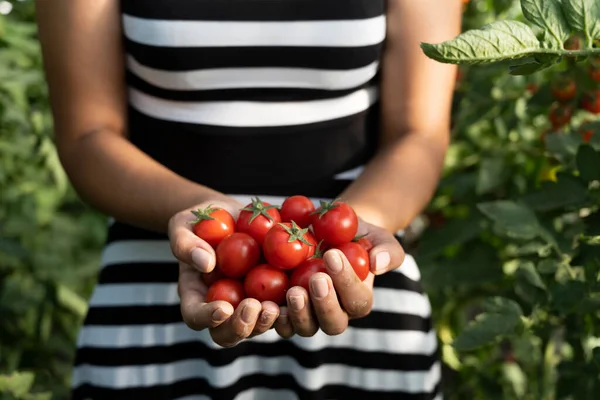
x: 267, y: 283
x: 257, y: 218
x: 532, y: 88
x: 301, y: 275
x: 564, y: 89
x: 227, y: 290
x: 236, y: 254
x: 213, y: 225
x: 286, y: 245
x: 335, y: 223
x: 213, y: 276
x: 297, y: 209
x: 358, y: 258
x: 591, y: 102
x: 364, y: 242
x: 560, y: 115
x: 594, y: 71
x: 313, y: 247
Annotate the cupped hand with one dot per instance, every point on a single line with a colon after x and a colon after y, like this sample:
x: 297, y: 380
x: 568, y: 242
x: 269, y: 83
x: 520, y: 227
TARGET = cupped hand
x: 306, y: 313
x: 227, y: 326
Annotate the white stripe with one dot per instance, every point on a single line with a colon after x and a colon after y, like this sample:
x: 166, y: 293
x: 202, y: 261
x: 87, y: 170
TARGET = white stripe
x: 145, y: 251
x: 177, y: 33
x: 220, y: 377
x: 142, y: 294
x: 242, y: 78
x: 351, y: 174
x: 253, y: 114
x: 387, y: 341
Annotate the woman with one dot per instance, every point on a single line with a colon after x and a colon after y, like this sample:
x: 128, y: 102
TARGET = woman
x: 162, y: 107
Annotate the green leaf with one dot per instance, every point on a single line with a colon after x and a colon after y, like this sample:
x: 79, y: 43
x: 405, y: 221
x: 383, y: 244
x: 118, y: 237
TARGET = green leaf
x: 531, y: 67
x: 548, y: 15
x: 502, y: 317
x: 18, y: 384
x: 516, y: 378
x: 567, y: 191
x: 490, y: 175
x: 500, y: 40
x: 511, y: 219
x: 71, y: 300
x: 583, y: 16
x: 528, y: 273
x: 547, y: 266
x: 588, y: 163
x: 563, y: 146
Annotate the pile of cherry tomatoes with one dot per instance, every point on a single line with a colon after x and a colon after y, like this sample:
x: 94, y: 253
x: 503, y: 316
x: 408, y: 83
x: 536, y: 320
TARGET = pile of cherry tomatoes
x: 270, y: 248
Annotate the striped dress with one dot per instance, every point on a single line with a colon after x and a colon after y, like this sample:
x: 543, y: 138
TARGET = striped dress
x: 250, y: 97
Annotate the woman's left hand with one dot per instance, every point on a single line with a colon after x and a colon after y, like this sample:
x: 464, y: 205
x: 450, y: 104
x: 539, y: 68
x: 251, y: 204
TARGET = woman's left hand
x: 306, y: 313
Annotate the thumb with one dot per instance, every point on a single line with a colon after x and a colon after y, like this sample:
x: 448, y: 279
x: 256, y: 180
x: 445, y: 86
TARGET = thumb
x: 189, y: 248
x: 387, y: 254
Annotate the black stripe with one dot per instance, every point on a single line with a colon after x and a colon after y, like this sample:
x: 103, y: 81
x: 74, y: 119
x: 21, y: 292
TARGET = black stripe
x: 147, y: 315
x: 192, y: 58
x: 201, y: 386
x: 253, y: 10
x: 271, y: 160
x: 114, y: 357
x: 252, y: 94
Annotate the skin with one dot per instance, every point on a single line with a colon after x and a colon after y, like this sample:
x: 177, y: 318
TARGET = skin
x: 88, y: 98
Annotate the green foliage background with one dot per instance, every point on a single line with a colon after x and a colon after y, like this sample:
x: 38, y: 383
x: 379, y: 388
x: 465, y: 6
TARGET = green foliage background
x: 512, y: 232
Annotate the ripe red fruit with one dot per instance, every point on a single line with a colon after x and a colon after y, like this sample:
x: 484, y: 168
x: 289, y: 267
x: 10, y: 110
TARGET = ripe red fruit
x: 594, y: 72
x: 335, y: 223
x: 364, y: 242
x: 213, y: 225
x: 236, y: 254
x: 297, y: 209
x: 564, y: 89
x: 313, y: 247
x: 257, y: 218
x: 301, y: 275
x: 560, y: 115
x: 358, y: 258
x: 286, y: 245
x: 227, y: 290
x: 591, y: 102
x: 267, y: 283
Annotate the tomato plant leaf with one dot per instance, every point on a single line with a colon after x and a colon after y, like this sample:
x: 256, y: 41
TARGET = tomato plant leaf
x: 491, y: 174
x: 547, y: 266
x: 584, y: 16
x: 512, y: 219
x: 548, y: 15
x: 499, y: 40
x: 531, y: 67
x: 529, y: 274
x: 588, y: 163
x: 567, y: 191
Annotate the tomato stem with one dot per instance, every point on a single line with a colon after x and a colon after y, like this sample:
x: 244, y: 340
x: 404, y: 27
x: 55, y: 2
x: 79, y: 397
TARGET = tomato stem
x: 296, y: 233
x: 203, y: 214
x: 259, y: 208
x: 325, y: 206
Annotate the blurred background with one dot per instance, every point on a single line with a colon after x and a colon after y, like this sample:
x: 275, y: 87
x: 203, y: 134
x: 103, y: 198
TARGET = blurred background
x: 522, y: 263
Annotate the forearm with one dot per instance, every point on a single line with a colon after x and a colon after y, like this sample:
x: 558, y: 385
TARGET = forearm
x: 117, y: 178
x: 399, y: 182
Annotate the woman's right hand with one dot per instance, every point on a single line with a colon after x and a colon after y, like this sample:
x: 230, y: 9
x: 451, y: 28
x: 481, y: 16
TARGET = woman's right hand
x: 227, y: 327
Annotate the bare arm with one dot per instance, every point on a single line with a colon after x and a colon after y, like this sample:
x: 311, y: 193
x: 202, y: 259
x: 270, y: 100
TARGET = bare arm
x: 416, y: 98
x: 84, y: 63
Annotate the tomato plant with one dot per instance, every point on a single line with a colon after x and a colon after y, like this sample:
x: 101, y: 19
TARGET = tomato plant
x: 257, y: 218
x: 334, y: 223
x: 358, y: 257
x: 267, y: 283
x: 286, y: 245
x: 560, y: 115
x: 591, y: 102
x: 228, y: 290
x: 564, y: 88
x: 297, y: 209
x: 236, y: 254
x: 213, y: 225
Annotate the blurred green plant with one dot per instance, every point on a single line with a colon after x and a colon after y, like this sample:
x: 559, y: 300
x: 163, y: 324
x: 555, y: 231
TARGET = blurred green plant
x: 511, y: 258
x: 49, y: 241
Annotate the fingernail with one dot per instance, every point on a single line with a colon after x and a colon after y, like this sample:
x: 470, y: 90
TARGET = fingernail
x: 319, y: 287
x: 382, y: 260
x: 201, y: 259
x: 283, y: 317
x: 219, y: 315
x: 297, y: 302
x: 249, y: 314
x: 265, y: 317
x: 333, y: 262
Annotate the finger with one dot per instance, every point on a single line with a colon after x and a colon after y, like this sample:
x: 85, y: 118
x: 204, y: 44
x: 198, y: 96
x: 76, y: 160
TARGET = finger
x: 387, y: 253
x: 332, y: 319
x: 239, y: 326
x: 355, y: 295
x: 196, y: 313
x: 187, y: 247
x: 299, y: 312
x: 283, y: 325
x: 266, y: 319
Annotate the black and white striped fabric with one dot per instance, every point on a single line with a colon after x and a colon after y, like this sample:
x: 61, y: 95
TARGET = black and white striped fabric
x: 250, y: 97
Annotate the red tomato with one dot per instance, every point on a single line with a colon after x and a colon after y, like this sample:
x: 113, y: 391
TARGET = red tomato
x: 267, y: 283
x: 213, y: 276
x: 358, y: 258
x: 594, y: 71
x: 297, y: 209
x: 286, y: 245
x: 335, y: 223
x: 227, y: 290
x: 560, y: 115
x: 302, y: 274
x: 564, y: 89
x: 213, y: 225
x: 591, y: 102
x: 313, y: 247
x: 364, y: 242
x: 257, y: 218
x: 236, y: 254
